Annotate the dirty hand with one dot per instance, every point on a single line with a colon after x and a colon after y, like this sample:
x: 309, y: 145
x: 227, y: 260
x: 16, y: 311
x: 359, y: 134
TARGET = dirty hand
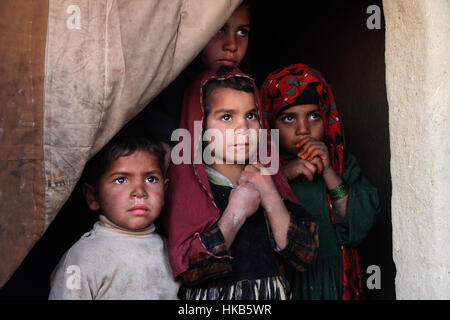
x: 296, y: 167
x: 252, y: 173
x: 316, y: 152
x: 244, y: 200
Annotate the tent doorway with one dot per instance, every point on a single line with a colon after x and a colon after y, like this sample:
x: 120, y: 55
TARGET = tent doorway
x: 328, y: 35
x: 405, y: 62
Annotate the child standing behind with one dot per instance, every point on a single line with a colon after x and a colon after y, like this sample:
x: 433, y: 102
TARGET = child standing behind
x: 325, y: 178
x: 121, y: 257
x: 227, y: 47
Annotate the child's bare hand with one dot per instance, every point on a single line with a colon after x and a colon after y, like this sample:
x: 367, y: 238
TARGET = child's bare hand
x: 297, y: 167
x: 244, y: 200
x: 313, y: 150
x: 261, y: 182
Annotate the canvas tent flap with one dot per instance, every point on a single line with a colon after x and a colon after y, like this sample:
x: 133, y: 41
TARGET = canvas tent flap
x: 23, y: 27
x: 104, y: 61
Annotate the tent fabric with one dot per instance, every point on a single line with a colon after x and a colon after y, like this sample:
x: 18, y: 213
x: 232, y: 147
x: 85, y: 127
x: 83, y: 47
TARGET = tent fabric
x: 75, y: 71
x: 23, y: 27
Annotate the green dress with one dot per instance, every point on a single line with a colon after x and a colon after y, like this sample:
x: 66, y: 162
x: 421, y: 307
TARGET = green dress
x: 323, y: 280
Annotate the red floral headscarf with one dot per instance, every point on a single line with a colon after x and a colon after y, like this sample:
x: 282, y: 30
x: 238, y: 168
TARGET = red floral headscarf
x: 285, y: 87
x: 290, y: 86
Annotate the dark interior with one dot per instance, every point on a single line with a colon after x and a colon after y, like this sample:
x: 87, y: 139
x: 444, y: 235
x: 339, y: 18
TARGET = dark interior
x: 328, y: 35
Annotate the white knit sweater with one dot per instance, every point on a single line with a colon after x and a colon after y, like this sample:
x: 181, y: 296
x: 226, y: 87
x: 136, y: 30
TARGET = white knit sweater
x: 112, y: 263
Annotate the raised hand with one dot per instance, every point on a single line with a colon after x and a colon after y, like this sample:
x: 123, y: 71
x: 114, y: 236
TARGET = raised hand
x: 244, y: 201
x: 314, y: 150
x: 296, y: 167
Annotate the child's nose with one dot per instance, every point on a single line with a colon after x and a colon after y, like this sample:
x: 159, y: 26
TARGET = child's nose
x: 139, y: 191
x: 230, y: 43
x: 242, y: 125
x: 303, y: 128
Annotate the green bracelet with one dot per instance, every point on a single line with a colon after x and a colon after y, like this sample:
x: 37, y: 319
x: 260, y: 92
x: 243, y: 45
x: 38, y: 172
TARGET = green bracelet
x: 339, y: 192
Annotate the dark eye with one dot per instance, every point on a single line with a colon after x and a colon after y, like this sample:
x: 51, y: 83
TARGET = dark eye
x: 226, y: 117
x: 120, y: 180
x: 288, y: 119
x: 243, y: 32
x: 220, y: 32
x: 152, y: 179
x: 252, y: 116
x: 315, y: 115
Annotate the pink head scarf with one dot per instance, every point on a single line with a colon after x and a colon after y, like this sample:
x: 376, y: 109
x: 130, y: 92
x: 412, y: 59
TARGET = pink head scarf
x: 190, y: 209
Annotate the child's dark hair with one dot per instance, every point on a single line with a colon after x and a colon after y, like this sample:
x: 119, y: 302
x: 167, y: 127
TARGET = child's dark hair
x: 236, y: 83
x: 120, y: 146
x: 247, y: 3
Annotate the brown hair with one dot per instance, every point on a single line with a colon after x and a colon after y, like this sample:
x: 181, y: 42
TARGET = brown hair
x: 236, y: 83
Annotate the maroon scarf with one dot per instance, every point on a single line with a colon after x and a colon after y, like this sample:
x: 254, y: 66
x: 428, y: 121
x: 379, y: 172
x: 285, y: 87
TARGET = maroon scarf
x: 283, y: 88
x: 190, y: 209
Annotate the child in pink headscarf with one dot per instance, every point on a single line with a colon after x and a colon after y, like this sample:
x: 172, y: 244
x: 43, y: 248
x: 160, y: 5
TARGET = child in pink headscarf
x: 227, y: 224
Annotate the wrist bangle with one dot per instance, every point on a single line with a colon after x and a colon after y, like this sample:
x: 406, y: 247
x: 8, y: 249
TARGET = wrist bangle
x: 339, y: 192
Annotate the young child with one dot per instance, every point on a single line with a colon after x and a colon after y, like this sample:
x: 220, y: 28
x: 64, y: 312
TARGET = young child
x: 227, y: 223
x: 227, y: 47
x: 325, y: 178
x: 121, y: 257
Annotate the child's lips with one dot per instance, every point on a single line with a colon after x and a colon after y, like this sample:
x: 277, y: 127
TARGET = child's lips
x: 241, y: 145
x: 139, y: 209
x: 227, y: 62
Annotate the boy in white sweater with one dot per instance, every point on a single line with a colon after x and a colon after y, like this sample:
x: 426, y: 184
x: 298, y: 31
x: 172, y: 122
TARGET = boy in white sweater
x: 121, y: 257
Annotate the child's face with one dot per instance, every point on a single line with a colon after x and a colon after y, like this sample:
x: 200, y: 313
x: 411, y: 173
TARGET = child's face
x: 229, y: 45
x: 233, y: 110
x: 130, y: 192
x: 297, y: 122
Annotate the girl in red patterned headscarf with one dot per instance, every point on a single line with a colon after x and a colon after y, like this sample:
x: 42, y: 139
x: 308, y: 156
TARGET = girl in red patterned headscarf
x: 325, y: 178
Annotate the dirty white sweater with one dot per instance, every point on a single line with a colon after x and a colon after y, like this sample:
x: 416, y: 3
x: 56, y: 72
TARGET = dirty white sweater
x: 113, y: 263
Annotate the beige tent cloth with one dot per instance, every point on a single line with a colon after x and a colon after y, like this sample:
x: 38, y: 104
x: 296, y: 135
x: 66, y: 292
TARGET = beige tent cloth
x: 104, y: 61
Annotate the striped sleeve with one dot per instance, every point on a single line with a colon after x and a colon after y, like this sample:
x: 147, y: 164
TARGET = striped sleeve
x: 208, y: 267
x: 303, y: 238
